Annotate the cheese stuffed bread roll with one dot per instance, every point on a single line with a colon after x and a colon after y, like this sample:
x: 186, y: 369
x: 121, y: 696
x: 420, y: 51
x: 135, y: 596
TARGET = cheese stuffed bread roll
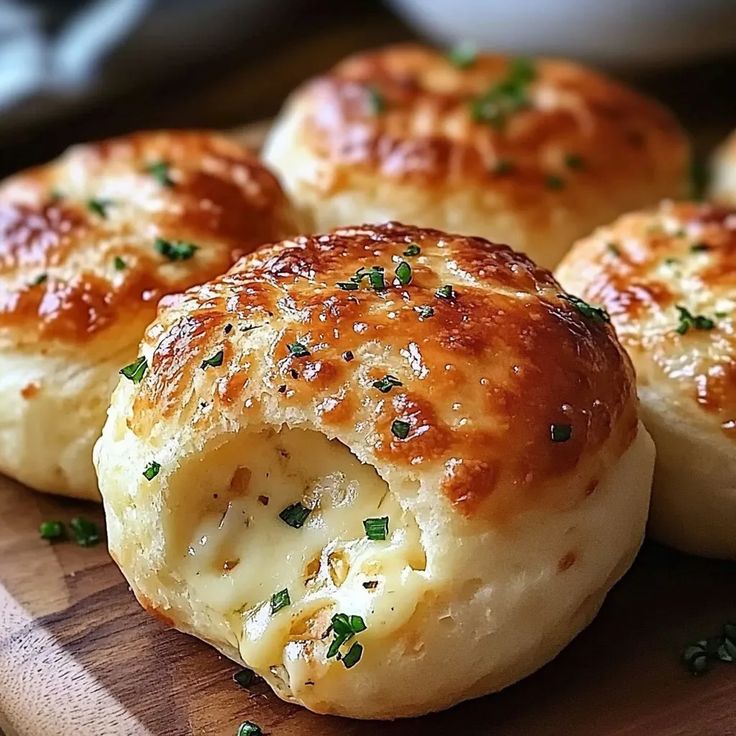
x: 535, y: 153
x: 668, y: 278
x: 387, y: 468
x: 88, y: 245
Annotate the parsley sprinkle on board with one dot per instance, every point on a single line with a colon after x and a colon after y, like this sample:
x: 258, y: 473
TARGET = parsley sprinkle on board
x: 597, y: 314
x: 86, y: 533
x: 699, y: 656
x: 295, y: 515
x: 385, y: 384
x: 160, y: 171
x: 52, y: 530
x: 376, y: 529
x: 214, y: 361
x: 248, y: 728
x: 175, y: 250
x: 135, y: 370
x: 506, y: 97
x: 152, y: 470
x: 245, y: 677
x: 696, y: 321
x: 400, y: 429
x: 280, y: 600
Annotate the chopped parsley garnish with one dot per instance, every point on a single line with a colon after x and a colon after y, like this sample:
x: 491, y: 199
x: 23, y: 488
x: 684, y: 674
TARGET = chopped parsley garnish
x: 463, y: 55
x: 696, y: 321
x: 560, y: 432
x: 344, y: 628
x: 152, y: 470
x: 99, y: 207
x: 295, y: 515
x: 280, y: 600
x: 248, y: 728
x: 376, y: 101
x: 445, y: 292
x: 377, y: 528
x: 347, y: 356
x: 56, y: 195
x: 86, y: 533
x: 425, y: 312
x: 400, y: 429
x: 353, y: 656
x: 502, y: 166
x: 297, y: 350
x: 136, y: 370
x: 213, y: 361
x: 554, y: 182
x: 159, y: 170
x: 348, y: 285
x: 574, y: 161
x: 613, y: 249
x: 506, y: 97
x: 385, y: 384
x: 403, y: 273
x: 698, y: 657
x: 119, y: 264
x: 42, y: 278
x: 699, y: 247
x: 245, y: 677
x: 51, y: 530
x: 412, y: 250
x: 597, y: 314
x: 175, y: 250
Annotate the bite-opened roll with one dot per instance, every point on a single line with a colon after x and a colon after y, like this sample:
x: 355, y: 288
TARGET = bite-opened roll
x: 387, y: 468
x: 88, y: 245
x: 535, y: 153
x: 667, y: 277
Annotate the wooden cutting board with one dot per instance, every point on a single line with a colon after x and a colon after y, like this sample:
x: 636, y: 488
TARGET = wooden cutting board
x: 79, y: 657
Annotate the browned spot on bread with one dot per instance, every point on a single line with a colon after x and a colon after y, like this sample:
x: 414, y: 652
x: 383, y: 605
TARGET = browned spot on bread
x: 567, y: 561
x: 30, y: 390
x: 155, y: 611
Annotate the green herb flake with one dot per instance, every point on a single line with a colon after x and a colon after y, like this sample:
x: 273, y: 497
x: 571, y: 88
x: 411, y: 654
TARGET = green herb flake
x: 119, y: 264
x: 344, y: 628
x: 214, y: 361
x: 613, y: 249
x: 376, y: 529
x: 295, y: 515
x: 506, y: 97
x: 52, y: 530
x: 696, y: 321
x: 375, y: 277
x: 560, y: 432
x: 99, y: 207
x: 152, y: 470
x: 425, y: 312
x: 376, y: 101
x: 175, y: 250
x: 445, y: 292
x: 86, y: 533
x: 353, y: 656
x: 412, y: 250
x: 463, y: 55
x: 347, y: 285
x: 502, y: 167
x: 400, y: 429
x: 245, y: 677
x: 403, y: 273
x: 699, y: 248
x: 160, y: 171
x: 385, y: 384
x: 248, y: 728
x: 136, y: 370
x: 297, y: 350
x: 597, y: 314
x: 554, y: 182
x: 574, y: 161
x: 42, y: 278
x: 280, y: 600
x: 695, y: 657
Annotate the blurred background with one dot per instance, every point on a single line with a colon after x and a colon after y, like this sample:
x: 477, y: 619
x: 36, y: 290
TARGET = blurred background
x: 73, y: 70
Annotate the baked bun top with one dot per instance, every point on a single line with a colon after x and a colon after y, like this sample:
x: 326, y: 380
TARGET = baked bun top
x: 90, y: 242
x: 540, y: 133
x: 421, y: 351
x: 668, y: 279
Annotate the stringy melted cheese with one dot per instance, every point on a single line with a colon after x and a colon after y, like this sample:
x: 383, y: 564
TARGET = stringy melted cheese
x: 236, y: 551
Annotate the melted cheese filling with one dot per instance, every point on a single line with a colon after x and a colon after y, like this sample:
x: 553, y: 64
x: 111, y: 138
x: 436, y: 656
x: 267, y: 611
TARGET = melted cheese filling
x: 235, y: 552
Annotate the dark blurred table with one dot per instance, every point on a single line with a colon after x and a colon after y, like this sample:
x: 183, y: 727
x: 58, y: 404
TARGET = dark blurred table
x: 237, y: 86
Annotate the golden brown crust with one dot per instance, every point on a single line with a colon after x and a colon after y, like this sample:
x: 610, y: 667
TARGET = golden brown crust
x: 646, y: 266
x: 77, y: 236
x: 483, y: 379
x: 578, y: 126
